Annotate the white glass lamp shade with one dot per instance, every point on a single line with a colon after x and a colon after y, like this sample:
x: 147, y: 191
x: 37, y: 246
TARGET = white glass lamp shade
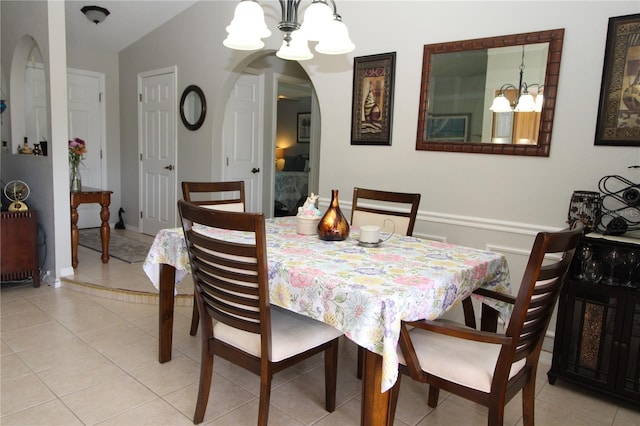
x: 539, y: 102
x: 247, y: 27
x: 243, y: 42
x: 296, y: 50
x: 317, y: 20
x: 525, y: 103
x: 500, y: 104
x: 336, y: 40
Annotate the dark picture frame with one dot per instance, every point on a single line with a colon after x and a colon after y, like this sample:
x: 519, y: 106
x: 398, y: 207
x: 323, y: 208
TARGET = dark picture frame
x: 372, y: 101
x: 448, y: 127
x: 619, y: 112
x: 304, y: 127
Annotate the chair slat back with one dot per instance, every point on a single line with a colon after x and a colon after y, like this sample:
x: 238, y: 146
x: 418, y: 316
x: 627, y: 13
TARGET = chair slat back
x: 230, y: 278
x: 402, y: 209
x: 544, y: 275
x: 227, y: 196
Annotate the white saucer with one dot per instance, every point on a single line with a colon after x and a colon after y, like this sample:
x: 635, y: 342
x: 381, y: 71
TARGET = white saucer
x: 363, y: 244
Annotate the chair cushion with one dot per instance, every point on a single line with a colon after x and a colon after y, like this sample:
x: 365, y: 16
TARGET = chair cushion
x: 291, y: 334
x: 461, y: 361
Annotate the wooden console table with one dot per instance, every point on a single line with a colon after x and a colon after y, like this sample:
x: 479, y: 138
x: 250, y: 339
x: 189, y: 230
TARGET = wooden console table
x: 88, y: 196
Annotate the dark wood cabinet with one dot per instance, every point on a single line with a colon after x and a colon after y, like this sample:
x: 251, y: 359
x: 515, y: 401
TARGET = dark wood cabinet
x: 19, y: 246
x: 597, y: 343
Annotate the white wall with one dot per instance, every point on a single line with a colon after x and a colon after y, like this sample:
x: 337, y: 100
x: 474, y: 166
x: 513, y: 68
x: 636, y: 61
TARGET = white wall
x: 486, y: 201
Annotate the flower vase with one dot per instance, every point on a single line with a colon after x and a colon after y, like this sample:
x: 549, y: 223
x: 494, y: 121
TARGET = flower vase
x: 333, y: 226
x: 75, y: 180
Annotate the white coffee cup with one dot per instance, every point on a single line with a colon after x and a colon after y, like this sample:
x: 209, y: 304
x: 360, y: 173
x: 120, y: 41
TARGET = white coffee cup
x: 369, y: 234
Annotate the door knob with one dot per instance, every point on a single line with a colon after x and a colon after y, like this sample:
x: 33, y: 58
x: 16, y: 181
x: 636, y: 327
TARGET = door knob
x: 254, y: 170
x: 169, y: 167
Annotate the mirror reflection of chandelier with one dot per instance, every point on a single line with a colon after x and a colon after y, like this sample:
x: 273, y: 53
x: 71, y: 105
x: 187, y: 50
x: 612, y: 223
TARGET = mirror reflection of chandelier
x: 320, y: 24
x: 524, y: 101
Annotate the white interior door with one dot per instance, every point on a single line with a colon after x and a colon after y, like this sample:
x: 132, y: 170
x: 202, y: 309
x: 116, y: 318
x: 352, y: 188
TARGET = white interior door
x: 86, y: 118
x: 243, y: 139
x: 157, y: 136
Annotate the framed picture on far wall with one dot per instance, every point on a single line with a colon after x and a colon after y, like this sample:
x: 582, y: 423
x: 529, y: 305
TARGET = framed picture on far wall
x: 372, y: 103
x: 304, y: 127
x: 619, y: 109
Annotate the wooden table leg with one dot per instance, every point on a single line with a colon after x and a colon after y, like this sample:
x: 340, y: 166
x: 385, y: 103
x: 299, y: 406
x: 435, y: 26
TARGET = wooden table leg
x: 166, y: 302
x: 376, y: 406
x: 105, y: 231
x: 74, y: 236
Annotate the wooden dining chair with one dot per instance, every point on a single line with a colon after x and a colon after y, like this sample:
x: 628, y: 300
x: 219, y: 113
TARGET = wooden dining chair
x: 402, y: 209
x: 194, y: 193
x: 204, y: 194
x: 485, y: 367
x: 237, y: 322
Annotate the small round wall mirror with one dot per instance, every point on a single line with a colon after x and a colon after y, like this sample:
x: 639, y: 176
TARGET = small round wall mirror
x: 193, y: 107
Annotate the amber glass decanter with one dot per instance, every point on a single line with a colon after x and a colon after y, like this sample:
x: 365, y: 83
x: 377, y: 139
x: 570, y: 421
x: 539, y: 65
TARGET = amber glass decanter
x: 333, y: 226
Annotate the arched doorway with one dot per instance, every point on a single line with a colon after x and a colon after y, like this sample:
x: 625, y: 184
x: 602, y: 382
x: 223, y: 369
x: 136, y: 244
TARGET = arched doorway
x: 279, y: 80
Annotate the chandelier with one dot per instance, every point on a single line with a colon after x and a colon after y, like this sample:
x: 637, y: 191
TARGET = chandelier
x: 524, y: 101
x: 321, y: 24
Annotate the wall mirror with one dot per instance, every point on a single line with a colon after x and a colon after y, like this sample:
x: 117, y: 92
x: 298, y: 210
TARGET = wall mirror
x: 193, y: 107
x: 461, y: 79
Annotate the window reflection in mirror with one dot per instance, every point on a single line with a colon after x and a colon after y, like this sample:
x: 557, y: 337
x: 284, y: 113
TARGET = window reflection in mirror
x: 461, y: 79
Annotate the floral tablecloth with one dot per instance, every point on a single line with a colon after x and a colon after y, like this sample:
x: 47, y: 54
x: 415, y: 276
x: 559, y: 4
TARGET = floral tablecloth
x: 365, y: 292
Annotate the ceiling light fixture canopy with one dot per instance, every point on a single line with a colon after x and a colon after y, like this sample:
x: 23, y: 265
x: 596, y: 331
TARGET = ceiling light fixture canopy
x: 321, y: 24
x: 524, y: 101
x: 95, y: 14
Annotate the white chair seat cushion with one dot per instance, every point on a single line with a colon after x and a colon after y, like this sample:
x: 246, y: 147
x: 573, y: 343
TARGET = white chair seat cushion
x: 461, y: 361
x: 291, y: 334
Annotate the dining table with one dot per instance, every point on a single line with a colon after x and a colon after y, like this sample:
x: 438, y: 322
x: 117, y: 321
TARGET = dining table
x: 363, y: 291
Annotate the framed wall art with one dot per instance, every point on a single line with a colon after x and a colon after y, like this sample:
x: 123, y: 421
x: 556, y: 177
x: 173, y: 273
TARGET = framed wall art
x: 619, y: 109
x: 372, y: 110
x: 304, y: 127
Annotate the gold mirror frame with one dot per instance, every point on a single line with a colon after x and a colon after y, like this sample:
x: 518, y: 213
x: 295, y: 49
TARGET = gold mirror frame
x: 555, y: 39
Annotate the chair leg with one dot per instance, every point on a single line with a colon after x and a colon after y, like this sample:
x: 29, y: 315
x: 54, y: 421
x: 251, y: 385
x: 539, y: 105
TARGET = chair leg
x: 434, y: 394
x: 360, y: 362
x: 496, y: 415
x: 528, y: 402
x: 265, y: 397
x: 195, y: 319
x: 330, y: 376
x: 206, y: 370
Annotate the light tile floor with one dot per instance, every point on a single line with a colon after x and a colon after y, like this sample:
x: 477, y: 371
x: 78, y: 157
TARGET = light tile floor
x: 79, y: 356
